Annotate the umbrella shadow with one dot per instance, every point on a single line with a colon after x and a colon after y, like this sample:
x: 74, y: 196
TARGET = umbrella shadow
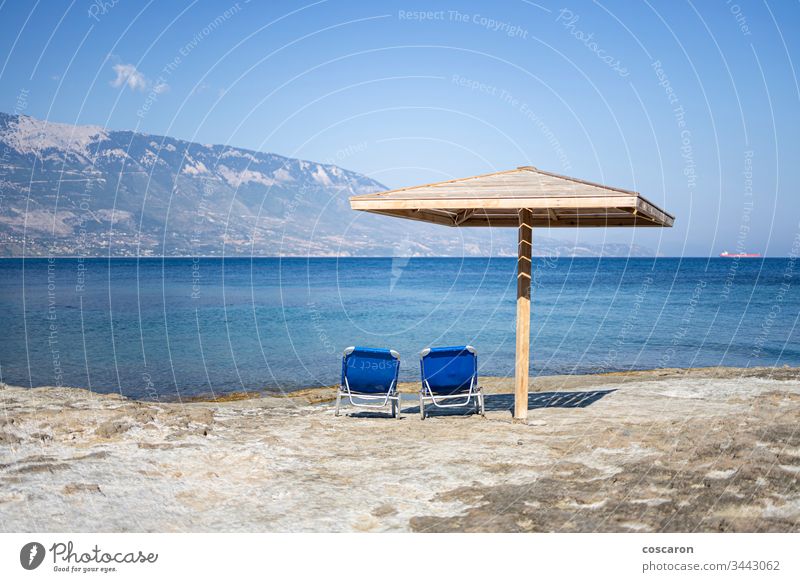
x: 505, y: 403
x: 501, y: 402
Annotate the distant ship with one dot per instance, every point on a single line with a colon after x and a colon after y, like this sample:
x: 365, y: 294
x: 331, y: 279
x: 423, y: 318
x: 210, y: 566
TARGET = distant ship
x: 727, y: 255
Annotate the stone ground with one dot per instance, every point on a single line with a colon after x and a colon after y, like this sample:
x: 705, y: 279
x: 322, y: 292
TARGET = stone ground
x: 668, y: 450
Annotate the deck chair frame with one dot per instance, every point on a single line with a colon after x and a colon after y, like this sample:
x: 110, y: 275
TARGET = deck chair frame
x: 392, y: 396
x: 438, y: 400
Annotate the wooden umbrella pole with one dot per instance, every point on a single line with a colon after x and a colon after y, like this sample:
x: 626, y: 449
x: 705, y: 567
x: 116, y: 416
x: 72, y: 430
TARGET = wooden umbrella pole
x: 524, y: 251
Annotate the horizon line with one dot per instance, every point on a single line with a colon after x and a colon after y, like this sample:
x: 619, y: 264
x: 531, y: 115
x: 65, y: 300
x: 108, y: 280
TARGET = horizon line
x: 46, y: 257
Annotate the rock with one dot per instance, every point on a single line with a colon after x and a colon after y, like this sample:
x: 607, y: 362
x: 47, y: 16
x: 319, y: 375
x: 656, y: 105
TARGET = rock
x: 41, y: 468
x: 8, y: 438
x: 111, y: 428
x: 94, y: 455
x: 384, y: 510
x: 73, y: 488
x: 144, y: 416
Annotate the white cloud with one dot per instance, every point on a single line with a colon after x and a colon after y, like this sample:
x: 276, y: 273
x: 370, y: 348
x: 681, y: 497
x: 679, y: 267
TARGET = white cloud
x: 130, y: 76
x: 201, y: 87
x: 136, y: 80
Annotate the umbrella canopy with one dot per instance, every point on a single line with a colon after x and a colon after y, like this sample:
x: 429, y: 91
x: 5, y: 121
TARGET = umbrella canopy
x: 496, y: 199
x: 523, y: 198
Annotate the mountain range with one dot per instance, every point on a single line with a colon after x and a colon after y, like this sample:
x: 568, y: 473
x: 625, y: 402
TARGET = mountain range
x: 72, y: 190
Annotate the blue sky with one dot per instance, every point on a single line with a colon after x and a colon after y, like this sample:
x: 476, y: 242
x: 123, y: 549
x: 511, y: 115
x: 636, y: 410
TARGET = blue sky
x: 696, y: 105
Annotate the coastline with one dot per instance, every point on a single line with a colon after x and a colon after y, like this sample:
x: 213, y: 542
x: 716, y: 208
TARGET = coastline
x: 708, y: 449
x: 555, y: 382
x: 491, y: 384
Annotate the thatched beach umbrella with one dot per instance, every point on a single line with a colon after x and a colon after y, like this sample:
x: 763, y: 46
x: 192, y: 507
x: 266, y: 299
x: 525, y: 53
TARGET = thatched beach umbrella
x: 521, y: 198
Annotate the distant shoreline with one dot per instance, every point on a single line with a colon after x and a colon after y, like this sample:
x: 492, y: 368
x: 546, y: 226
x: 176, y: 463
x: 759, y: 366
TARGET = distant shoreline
x: 492, y: 384
x: 343, y: 258
x: 499, y: 384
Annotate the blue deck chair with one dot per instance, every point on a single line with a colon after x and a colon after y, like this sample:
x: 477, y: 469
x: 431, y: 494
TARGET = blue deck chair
x: 450, y: 374
x: 369, y: 379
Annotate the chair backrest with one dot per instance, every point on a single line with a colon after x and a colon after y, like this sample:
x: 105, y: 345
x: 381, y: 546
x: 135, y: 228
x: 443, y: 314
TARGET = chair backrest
x: 370, y: 370
x: 449, y: 370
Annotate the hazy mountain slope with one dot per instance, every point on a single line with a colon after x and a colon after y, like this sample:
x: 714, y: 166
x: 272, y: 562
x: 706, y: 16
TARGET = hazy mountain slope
x: 85, y: 190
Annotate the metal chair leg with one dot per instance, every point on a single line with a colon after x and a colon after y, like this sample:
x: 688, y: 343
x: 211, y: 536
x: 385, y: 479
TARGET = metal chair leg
x: 421, y: 407
x: 338, y: 402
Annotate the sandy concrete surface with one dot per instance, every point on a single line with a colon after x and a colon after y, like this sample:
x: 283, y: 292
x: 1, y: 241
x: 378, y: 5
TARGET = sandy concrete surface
x: 667, y: 450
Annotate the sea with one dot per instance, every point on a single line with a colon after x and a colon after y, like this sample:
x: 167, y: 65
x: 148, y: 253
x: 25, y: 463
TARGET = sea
x: 175, y: 328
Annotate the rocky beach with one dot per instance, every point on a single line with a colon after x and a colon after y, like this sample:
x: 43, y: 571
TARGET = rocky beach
x: 706, y: 450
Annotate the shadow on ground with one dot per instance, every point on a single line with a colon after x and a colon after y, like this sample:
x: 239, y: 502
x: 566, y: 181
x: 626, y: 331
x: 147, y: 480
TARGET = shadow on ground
x: 505, y: 403
x: 500, y: 402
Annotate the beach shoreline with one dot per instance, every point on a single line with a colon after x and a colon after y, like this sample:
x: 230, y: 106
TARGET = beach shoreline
x: 492, y: 384
x: 500, y: 384
x: 704, y: 449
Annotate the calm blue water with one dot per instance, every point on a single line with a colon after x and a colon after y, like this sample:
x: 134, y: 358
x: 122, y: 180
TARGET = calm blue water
x: 168, y: 328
